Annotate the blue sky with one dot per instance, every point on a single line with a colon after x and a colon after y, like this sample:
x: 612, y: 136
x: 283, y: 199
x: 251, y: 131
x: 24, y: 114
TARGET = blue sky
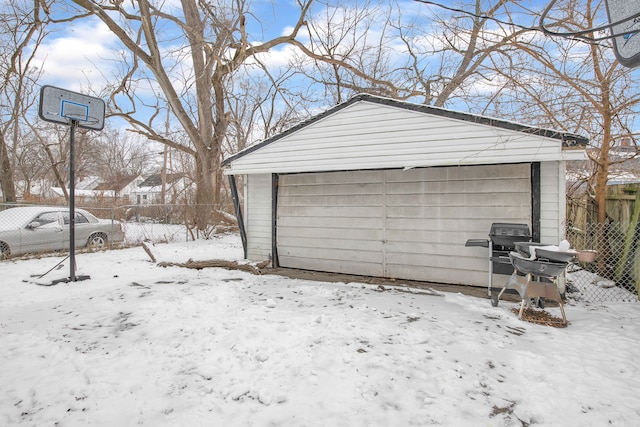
x: 83, y: 56
x: 84, y: 53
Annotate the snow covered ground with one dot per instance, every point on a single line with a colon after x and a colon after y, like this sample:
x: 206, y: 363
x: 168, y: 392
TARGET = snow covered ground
x: 139, y: 344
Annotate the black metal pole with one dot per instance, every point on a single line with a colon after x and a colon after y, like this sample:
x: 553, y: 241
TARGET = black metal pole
x: 72, y: 204
x: 236, y: 204
x: 275, y: 182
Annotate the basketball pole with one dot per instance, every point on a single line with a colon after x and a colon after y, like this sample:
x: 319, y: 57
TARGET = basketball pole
x: 75, y: 110
x: 73, y: 124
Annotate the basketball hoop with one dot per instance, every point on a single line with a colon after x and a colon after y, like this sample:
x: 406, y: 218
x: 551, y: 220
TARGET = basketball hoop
x: 65, y: 107
x: 74, y: 110
x: 624, y: 23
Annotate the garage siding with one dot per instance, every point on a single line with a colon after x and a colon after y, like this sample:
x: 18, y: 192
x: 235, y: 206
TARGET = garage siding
x: 552, y: 202
x: 409, y: 224
x: 258, y: 216
x: 370, y: 135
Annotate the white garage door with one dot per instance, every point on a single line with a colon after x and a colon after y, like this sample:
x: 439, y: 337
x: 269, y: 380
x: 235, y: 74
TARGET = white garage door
x: 404, y: 224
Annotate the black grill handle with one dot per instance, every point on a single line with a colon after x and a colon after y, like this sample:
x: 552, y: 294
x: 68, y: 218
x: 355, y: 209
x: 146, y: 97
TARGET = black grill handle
x: 484, y: 243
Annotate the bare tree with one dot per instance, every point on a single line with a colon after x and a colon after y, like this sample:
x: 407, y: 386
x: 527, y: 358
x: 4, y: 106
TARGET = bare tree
x: 116, y: 153
x: 432, y: 52
x: 21, y: 31
x: 262, y: 106
x: 190, y: 53
x: 577, y: 86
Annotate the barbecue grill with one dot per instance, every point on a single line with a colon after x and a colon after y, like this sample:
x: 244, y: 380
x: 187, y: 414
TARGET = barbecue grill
x: 502, y: 240
x: 534, y: 279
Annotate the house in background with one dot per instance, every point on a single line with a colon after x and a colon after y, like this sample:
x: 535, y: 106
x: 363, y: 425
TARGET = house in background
x: 116, y: 189
x: 121, y: 186
x: 150, y: 191
x: 88, y: 182
x: 378, y: 187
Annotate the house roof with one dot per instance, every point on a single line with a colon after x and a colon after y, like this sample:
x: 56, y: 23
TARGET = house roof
x: 117, y: 183
x: 84, y: 193
x: 156, y: 180
x: 375, y: 126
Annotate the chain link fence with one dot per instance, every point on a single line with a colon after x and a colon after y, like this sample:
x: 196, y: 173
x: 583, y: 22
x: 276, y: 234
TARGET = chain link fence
x: 24, y: 231
x: 614, y: 273
x: 613, y: 276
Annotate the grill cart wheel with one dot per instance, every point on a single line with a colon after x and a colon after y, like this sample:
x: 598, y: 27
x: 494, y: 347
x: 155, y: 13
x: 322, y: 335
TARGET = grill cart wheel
x: 494, y: 300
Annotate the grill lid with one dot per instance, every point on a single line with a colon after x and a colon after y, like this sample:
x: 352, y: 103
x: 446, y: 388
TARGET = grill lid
x: 507, y: 234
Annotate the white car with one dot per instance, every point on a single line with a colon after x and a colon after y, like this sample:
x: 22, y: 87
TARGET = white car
x: 41, y: 228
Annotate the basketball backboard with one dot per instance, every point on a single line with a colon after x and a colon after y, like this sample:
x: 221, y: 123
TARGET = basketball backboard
x: 626, y: 44
x: 66, y: 107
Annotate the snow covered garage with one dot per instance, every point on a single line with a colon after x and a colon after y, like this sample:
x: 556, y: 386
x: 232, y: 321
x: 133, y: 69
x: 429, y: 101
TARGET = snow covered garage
x: 379, y: 187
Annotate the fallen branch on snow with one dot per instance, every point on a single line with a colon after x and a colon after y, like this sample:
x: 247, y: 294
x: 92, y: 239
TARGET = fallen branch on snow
x: 215, y: 263
x: 148, y: 251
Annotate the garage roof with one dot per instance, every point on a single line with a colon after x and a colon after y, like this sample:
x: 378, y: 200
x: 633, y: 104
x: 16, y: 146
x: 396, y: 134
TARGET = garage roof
x: 370, y: 132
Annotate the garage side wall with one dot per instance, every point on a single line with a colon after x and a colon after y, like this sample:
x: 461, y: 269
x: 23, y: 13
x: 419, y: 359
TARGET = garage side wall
x: 258, y: 217
x: 552, y: 202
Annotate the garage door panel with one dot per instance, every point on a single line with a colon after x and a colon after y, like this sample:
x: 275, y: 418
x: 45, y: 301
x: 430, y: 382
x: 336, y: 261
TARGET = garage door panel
x: 336, y: 212
x: 412, y: 229
x: 335, y: 244
x: 456, y: 173
x: 336, y: 189
x: 342, y: 255
x: 455, y: 187
x: 460, y: 199
x: 416, y: 236
x: 432, y: 247
x: 329, y: 222
x: 335, y: 266
x: 313, y: 234
x: 333, y: 234
x: 503, y: 214
x: 454, y: 249
x: 332, y: 200
x: 329, y: 179
x: 443, y: 225
x: 434, y: 274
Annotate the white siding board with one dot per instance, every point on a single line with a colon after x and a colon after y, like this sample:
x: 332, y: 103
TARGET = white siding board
x: 334, y: 233
x: 552, y: 202
x: 335, y: 265
x: 258, y: 217
x: 367, y: 135
x: 332, y: 200
x: 341, y: 242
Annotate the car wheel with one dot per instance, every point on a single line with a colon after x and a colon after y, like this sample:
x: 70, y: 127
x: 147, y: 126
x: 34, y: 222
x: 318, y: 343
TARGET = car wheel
x: 97, y: 241
x: 5, y: 250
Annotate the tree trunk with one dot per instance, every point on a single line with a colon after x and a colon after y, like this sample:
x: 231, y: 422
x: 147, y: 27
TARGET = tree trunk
x: 6, y: 173
x: 207, y: 166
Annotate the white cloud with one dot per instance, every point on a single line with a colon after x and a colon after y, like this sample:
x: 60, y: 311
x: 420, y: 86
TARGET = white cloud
x: 80, y: 56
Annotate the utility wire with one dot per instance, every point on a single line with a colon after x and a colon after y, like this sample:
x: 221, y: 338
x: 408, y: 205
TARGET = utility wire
x: 581, y: 34
x: 475, y: 15
x: 570, y: 34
